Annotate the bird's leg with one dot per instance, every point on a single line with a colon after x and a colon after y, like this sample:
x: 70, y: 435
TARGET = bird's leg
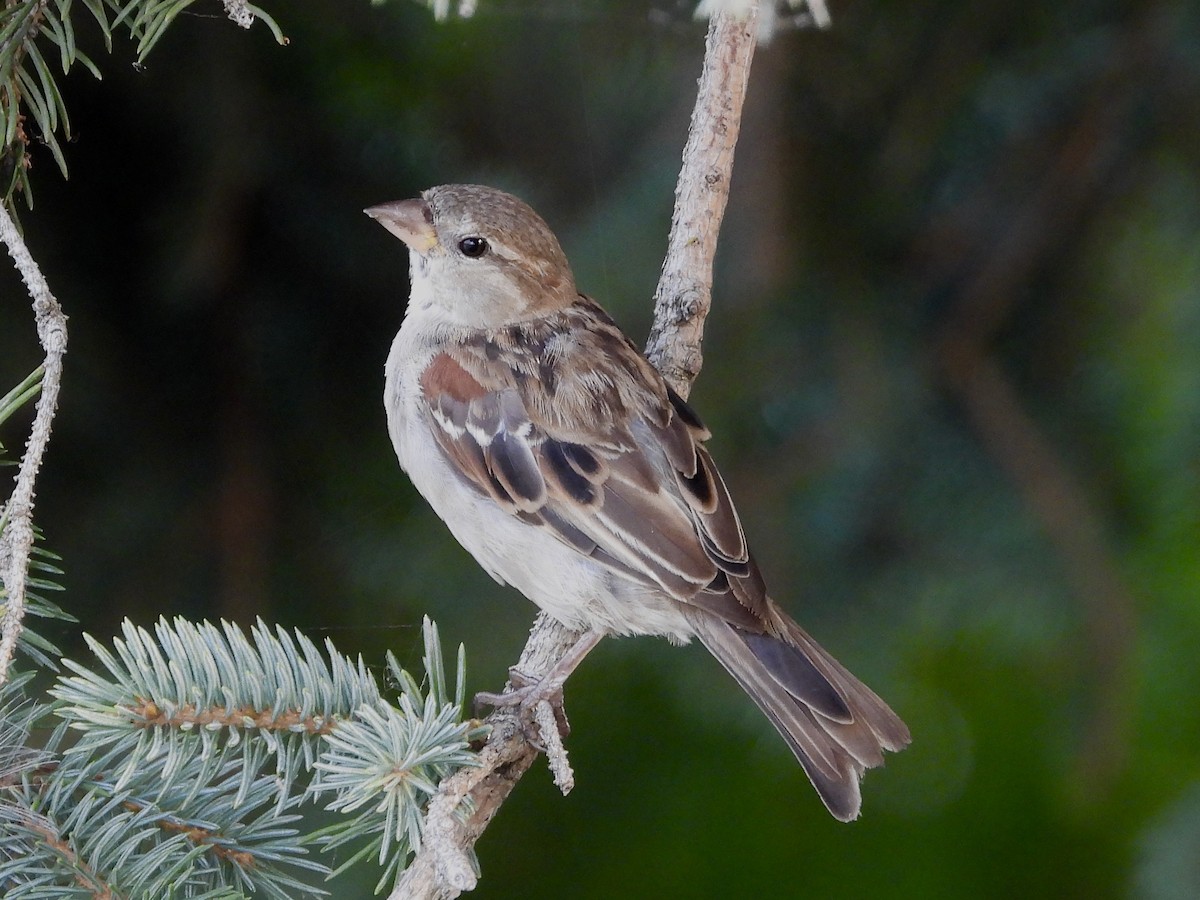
x: 527, y: 693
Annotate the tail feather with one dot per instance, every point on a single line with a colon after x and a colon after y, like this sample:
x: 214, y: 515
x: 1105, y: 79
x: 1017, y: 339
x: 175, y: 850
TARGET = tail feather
x: 887, y: 727
x: 835, y: 725
x: 799, y: 676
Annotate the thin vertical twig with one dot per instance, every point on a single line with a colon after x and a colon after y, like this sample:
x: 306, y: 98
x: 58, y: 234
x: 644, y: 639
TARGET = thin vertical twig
x: 684, y: 294
x: 444, y: 867
x: 16, y: 533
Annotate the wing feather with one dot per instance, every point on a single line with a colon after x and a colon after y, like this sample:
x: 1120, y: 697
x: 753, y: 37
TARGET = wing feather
x: 605, y: 456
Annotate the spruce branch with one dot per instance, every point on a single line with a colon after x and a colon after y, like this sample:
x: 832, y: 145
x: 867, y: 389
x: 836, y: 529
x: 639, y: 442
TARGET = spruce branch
x: 188, y: 686
x: 200, y: 744
x: 34, y: 32
x: 206, y: 834
x: 445, y: 865
x: 391, y: 760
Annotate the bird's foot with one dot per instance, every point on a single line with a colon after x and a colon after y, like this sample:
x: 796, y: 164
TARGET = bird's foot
x: 526, y: 694
x: 539, y: 707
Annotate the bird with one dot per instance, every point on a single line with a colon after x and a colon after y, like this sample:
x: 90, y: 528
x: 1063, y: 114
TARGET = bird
x: 564, y: 463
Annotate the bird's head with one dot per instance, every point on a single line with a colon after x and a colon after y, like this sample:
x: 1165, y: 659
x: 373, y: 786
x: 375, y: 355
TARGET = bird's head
x: 482, y: 256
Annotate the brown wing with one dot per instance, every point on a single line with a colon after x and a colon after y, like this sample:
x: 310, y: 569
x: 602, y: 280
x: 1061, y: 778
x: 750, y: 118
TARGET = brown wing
x: 604, y: 455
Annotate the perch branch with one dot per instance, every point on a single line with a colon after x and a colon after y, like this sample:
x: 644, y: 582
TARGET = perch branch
x: 444, y: 867
x: 684, y: 293
x: 16, y: 533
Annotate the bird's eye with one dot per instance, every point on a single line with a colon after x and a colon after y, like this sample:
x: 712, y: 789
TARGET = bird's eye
x: 473, y: 247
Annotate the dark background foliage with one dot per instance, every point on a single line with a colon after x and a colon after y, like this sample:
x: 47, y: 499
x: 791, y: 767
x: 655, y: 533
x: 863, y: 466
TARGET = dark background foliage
x: 953, y: 371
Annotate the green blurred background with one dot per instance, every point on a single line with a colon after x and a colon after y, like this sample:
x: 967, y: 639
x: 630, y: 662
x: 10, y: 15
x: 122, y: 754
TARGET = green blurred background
x: 953, y: 372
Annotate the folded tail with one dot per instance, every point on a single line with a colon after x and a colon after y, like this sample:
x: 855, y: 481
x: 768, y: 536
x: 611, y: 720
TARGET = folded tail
x: 837, y: 727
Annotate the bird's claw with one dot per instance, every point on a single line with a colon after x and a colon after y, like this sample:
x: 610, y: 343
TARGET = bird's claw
x: 525, y: 694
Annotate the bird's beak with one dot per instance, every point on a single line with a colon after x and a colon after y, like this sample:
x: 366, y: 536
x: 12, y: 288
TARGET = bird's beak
x: 409, y: 220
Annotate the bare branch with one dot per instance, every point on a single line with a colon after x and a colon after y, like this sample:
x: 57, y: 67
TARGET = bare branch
x: 556, y: 751
x: 684, y: 293
x: 444, y: 867
x: 16, y: 516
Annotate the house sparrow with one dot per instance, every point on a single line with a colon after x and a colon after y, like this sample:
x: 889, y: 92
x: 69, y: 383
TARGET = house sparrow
x: 563, y: 462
